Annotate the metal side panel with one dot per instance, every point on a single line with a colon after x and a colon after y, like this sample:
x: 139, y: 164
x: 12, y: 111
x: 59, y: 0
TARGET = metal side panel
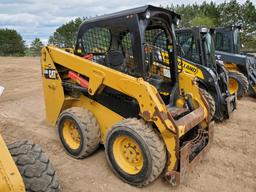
x: 52, y: 86
x: 232, y: 58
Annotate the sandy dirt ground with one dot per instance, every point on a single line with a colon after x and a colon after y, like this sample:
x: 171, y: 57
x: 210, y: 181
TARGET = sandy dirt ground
x: 230, y: 165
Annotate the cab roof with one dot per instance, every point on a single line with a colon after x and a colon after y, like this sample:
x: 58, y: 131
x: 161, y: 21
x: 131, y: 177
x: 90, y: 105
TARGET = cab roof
x: 129, y: 12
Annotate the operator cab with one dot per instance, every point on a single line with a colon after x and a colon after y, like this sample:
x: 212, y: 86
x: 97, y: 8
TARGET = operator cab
x: 124, y: 41
x: 227, y: 39
x: 197, y: 45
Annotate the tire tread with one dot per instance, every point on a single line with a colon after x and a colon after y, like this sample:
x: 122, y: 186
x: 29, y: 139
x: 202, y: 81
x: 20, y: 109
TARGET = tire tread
x: 89, y: 127
x: 34, y: 166
x: 153, y: 140
x: 210, y: 101
x: 242, y: 82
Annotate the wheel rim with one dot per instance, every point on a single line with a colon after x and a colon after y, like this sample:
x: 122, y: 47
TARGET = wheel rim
x: 128, y: 155
x: 71, y: 134
x: 233, y: 85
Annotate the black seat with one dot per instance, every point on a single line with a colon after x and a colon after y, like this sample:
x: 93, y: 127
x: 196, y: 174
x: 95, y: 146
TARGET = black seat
x: 114, y: 59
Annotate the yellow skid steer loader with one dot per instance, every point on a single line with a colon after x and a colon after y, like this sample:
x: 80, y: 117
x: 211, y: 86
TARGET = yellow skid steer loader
x: 110, y: 90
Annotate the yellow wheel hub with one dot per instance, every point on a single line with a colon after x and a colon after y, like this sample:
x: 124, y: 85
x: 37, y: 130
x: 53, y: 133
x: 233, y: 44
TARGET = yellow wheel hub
x: 128, y: 155
x: 71, y: 135
x: 233, y: 85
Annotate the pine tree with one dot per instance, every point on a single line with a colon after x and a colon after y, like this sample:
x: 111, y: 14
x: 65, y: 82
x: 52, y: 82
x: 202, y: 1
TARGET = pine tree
x: 36, y: 47
x: 11, y: 43
x: 65, y: 35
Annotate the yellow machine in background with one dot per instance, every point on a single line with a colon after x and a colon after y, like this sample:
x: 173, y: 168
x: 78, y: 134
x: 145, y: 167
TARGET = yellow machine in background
x: 10, y: 178
x: 25, y: 167
x: 241, y: 66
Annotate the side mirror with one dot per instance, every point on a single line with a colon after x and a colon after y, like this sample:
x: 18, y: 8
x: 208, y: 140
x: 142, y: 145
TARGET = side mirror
x: 220, y: 62
x: 218, y: 57
x: 1, y: 90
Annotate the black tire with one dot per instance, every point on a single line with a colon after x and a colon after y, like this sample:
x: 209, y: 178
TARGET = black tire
x: 151, y: 145
x: 243, y: 84
x: 34, y: 166
x: 210, y: 101
x: 88, y: 129
x: 252, y: 91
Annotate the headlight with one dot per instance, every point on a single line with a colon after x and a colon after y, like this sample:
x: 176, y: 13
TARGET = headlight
x: 177, y: 22
x: 147, y: 15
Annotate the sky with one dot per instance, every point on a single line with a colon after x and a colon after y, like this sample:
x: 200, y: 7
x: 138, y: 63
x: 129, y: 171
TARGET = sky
x: 40, y: 18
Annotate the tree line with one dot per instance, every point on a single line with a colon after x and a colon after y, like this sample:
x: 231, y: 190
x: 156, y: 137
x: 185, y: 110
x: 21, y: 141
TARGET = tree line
x: 12, y: 44
x: 206, y: 14
x: 224, y: 14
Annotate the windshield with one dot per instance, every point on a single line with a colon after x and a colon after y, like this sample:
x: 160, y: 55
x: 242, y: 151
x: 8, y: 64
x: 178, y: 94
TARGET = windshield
x: 189, y: 49
x: 208, y: 46
x: 222, y: 41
